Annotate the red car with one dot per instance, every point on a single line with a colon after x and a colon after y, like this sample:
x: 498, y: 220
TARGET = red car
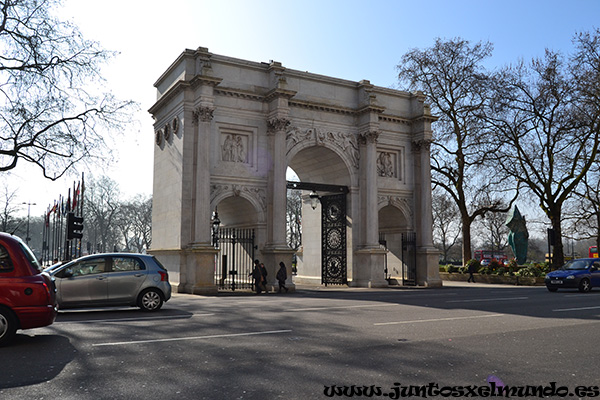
x: 27, y: 295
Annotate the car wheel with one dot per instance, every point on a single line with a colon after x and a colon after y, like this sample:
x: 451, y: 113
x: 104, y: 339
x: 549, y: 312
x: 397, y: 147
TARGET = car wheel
x: 585, y: 285
x: 551, y: 289
x: 150, y: 300
x: 8, y: 326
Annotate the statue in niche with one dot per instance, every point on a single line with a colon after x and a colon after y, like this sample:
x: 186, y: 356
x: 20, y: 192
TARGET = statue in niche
x: 240, y: 152
x: 385, y: 166
x: 227, y: 149
x: 519, y: 236
x: 233, y: 149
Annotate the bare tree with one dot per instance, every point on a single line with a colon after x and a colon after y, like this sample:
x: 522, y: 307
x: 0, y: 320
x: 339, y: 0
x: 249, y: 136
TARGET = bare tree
x: 101, y: 209
x: 547, y: 120
x: 134, y: 221
x: 8, y: 210
x: 494, y: 231
x: 49, y: 114
x: 452, y: 76
x: 446, y: 223
x: 583, y: 212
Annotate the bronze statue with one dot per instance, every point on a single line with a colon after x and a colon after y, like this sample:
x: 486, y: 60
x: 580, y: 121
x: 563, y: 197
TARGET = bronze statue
x: 518, y: 236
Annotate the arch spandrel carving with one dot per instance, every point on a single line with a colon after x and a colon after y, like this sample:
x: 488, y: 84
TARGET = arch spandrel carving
x: 343, y: 143
x: 255, y: 195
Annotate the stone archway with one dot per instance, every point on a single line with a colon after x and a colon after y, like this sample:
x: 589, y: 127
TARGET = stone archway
x: 393, y: 224
x: 228, y: 128
x: 325, y: 178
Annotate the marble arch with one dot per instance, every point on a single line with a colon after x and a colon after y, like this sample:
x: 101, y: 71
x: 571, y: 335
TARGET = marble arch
x: 227, y: 128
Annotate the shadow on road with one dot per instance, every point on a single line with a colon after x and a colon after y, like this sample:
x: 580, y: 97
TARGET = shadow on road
x: 58, y: 352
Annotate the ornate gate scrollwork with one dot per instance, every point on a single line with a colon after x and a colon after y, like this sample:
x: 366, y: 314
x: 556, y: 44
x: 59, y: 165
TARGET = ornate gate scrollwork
x: 333, y: 228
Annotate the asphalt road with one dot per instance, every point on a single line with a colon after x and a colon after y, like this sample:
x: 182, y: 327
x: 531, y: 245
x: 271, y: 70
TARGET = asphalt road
x: 298, y: 346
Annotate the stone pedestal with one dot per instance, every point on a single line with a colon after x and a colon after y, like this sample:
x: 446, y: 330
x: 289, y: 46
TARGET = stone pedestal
x: 370, y: 272
x: 272, y: 258
x: 200, y: 276
x: 428, y: 273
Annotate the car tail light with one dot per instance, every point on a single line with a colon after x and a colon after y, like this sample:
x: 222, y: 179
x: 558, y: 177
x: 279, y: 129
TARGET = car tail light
x: 164, y: 277
x: 48, y: 292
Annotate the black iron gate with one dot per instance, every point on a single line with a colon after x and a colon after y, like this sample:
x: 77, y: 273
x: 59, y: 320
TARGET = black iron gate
x: 383, y: 246
x: 333, y: 230
x: 234, y: 262
x: 409, y: 259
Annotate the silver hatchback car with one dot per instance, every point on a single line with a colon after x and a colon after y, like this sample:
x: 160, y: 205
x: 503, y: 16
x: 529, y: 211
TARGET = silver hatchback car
x: 112, y: 279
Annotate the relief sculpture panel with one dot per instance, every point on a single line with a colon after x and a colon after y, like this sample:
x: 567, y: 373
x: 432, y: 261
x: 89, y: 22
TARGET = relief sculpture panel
x: 234, y: 148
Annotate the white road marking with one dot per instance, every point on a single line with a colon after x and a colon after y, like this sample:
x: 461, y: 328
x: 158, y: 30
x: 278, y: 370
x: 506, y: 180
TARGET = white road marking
x: 343, y: 307
x: 438, y: 319
x: 91, y: 321
x: 492, y: 299
x: 193, y: 338
x: 576, y: 309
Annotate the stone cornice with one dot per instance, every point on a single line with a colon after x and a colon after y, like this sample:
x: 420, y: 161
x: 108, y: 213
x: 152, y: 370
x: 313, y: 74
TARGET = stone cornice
x: 370, y: 108
x: 168, y: 95
x: 321, y: 107
x: 180, y: 86
x: 275, y: 93
x: 394, y: 119
x: 203, y: 80
x: 240, y: 94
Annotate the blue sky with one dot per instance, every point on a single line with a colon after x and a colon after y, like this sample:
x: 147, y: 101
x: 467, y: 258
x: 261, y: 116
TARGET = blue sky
x: 346, y: 39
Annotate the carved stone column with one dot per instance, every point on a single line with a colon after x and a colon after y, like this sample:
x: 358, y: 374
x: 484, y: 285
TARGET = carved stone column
x: 201, y: 254
x: 369, y: 191
x: 202, y: 117
x: 427, y: 254
x: 276, y: 248
x: 370, y: 258
x: 276, y: 132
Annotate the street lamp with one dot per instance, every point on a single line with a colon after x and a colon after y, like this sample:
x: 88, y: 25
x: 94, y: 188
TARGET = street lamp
x: 27, y: 238
x: 215, y: 221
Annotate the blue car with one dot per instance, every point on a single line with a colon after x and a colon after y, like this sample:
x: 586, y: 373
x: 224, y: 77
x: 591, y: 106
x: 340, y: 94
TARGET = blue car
x: 582, y: 274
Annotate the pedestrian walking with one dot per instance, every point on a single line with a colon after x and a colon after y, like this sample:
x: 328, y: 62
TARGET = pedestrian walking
x: 264, y: 274
x: 257, y: 276
x: 472, y: 267
x: 282, y: 277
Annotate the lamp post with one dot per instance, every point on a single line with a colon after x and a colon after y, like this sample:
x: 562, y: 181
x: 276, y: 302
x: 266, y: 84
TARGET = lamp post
x: 27, y: 238
x: 215, y: 223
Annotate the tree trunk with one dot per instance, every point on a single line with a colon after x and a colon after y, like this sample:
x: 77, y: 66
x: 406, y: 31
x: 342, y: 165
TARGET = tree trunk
x: 558, y: 256
x: 466, y: 237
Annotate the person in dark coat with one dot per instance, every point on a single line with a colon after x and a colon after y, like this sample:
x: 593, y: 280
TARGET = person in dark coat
x: 264, y: 274
x: 282, y: 277
x: 472, y: 269
x: 257, y: 275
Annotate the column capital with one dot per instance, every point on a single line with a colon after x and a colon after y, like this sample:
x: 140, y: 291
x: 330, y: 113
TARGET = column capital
x: 277, y: 124
x: 422, y: 144
x: 203, y: 114
x: 368, y: 137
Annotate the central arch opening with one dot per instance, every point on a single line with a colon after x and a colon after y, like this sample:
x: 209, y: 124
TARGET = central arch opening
x: 320, y: 257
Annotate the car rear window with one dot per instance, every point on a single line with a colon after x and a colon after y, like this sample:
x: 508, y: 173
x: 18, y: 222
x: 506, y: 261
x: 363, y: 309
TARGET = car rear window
x: 31, y: 257
x: 158, y: 263
x: 6, y: 264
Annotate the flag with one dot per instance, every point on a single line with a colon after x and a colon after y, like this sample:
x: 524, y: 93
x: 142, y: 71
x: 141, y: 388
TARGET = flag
x: 75, y: 196
x: 68, y: 205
